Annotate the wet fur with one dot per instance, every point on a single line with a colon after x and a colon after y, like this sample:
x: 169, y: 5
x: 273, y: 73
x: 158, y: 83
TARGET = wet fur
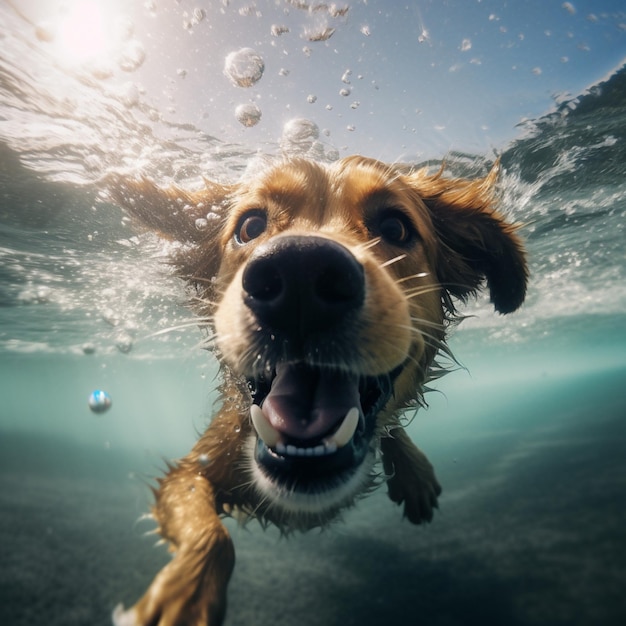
x: 411, y: 293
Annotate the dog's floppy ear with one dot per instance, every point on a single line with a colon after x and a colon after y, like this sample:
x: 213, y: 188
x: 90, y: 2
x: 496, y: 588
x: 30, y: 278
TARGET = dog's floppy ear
x: 195, y: 218
x: 477, y: 243
x: 171, y: 212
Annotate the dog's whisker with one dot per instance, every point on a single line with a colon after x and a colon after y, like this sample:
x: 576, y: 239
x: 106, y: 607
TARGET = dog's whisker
x: 195, y: 323
x: 400, y: 257
x: 412, y: 277
x: 369, y: 244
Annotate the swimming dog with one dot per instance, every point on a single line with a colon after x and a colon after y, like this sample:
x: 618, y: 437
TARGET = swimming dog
x: 327, y: 291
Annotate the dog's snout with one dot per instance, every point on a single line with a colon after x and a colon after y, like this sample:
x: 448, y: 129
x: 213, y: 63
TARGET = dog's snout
x: 303, y: 283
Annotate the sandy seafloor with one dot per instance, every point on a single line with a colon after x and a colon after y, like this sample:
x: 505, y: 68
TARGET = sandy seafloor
x: 530, y: 529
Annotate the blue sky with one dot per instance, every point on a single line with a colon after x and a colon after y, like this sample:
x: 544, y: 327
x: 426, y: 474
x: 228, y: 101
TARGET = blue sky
x: 426, y: 76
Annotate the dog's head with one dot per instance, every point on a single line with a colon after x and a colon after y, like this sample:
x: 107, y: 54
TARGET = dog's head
x: 329, y: 289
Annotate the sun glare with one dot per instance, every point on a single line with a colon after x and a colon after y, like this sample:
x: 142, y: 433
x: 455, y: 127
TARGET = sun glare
x: 83, y: 34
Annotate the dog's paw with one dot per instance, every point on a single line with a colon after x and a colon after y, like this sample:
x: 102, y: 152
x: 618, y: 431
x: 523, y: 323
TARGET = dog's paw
x: 411, y: 478
x: 418, y: 491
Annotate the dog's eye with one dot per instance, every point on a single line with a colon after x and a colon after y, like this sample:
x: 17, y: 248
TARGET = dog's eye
x: 395, y: 228
x: 251, y: 225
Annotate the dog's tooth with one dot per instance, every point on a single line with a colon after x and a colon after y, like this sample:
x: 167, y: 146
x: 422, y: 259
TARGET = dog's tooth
x: 281, y: 448
x: 347, y: 429
x: 319, y: 450
x: 330, y: 447
x: 291, y: 450
x: 266, y: 432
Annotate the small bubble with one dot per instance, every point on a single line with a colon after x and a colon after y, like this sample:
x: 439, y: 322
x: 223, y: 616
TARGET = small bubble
x: 203, y: 459
x: 198, y: 15
x: 355, y: 104
x: 181, y: 72
x: 124, y: 343
x: 569, y: 7
x: 307, y: 51
x: 466, y: 45
x: 99, y: 401
x: 248, y: 114
x: 244, y: 67
x: 346, y: 77
x: 132, y: 57
x: 365, y: 30
x: 311, y: 98
x: 201, y: 223
x: 351, y: 127
x: 345, y: 92
x: 283, y: 72
x: 337, y: 11
x: 277, y: 30
x: 322, y: 33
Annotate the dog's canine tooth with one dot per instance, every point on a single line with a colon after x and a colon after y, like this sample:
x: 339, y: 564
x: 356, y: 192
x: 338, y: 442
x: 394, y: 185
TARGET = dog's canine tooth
x: 347, y: 429
x: 266, y: 432
x: 272, y: 438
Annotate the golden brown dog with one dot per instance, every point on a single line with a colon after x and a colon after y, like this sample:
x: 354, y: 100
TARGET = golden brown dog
x: 329, y: 290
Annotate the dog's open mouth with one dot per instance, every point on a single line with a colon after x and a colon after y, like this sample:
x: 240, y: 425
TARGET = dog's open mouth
x: 314, y: 426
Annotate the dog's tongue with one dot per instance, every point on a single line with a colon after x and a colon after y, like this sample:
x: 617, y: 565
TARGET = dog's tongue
x: 306, y: 403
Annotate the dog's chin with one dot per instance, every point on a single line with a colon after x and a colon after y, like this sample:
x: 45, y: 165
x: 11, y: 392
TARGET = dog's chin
x: 309, y: 457
x: 300, y: 493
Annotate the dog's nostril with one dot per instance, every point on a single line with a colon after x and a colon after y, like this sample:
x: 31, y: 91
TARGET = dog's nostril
x: 262, y: 280
x: 302, y: 283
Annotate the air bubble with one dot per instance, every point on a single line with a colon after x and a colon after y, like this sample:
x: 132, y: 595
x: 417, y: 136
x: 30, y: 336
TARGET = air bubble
x: 244, y: 67
x: 311, y: 98
x: 324, y: 33
x: 346, y: 77
x: 203, y: 459
x: 201, y: 223
x: 277, y: 30
x: 355, y: 104
x: 132, y: 57
x: 124, y: 343
x: 299, y: 135
x: 198, y: 15
x: 345, y: 92
x: 248, y: 114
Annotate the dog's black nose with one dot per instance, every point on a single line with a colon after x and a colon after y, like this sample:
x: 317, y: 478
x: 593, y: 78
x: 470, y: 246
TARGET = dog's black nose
x: 302, y: 284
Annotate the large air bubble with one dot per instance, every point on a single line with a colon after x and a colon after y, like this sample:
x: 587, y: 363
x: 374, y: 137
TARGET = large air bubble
x: 244, y: 67
x: 299, y: 135
x: 248, y: 114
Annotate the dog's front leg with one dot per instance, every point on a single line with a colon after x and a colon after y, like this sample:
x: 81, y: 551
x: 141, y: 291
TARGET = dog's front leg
x: 191, y: 589
x: 411, y: 478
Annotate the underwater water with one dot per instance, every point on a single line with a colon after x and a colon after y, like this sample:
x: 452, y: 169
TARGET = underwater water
x: 528, y: 438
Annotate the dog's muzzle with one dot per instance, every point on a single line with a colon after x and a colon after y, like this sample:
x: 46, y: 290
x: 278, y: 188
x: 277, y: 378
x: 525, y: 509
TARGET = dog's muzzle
x: 313, y: 416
